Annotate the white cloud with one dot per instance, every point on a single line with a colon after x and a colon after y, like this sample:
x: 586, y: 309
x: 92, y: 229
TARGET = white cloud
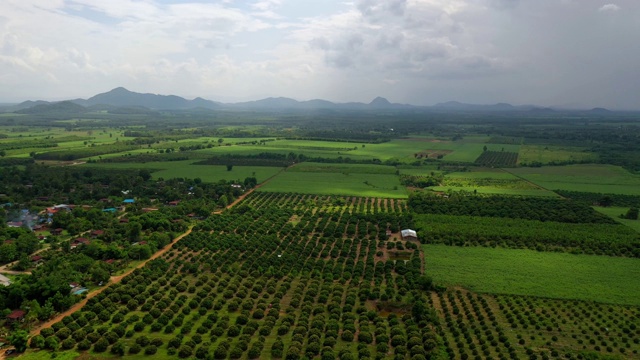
x: 609, y: 8
x: 420, y: 51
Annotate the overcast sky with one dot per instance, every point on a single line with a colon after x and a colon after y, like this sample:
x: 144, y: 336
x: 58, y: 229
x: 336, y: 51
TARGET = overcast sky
x: 572, y: 53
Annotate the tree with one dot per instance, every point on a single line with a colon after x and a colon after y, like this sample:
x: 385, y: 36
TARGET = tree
x: 19, y: 339
x: 632, y: 214
x: 220, y: 141
x: 229, y: 167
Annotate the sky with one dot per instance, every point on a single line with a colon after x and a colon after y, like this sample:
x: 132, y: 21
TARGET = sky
x: 564, y: 53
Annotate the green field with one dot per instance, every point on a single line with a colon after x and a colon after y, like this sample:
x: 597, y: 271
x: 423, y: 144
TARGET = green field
x: 336, y: 183
x: 546, y: 154
x: 490, y: 181
x: 587, y: 178
x: 526, y: 272
x: 185, y: 169
x: 344, y: 168
x: 496, y: 190
x: 615, y: 212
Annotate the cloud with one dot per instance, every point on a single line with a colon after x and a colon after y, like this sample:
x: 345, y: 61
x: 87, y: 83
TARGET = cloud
x: 609, y: 8
x: 420, y: 51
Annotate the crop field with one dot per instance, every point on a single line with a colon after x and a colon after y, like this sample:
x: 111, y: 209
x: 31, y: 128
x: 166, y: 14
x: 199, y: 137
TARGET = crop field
x: 343, y: 168
x: 543, y: 274
x: 615, y: 211
x: 332, y: 183
x: 520, y: 327
x: 252, y: 284
x: 186, y: 169
x: 497, y: 158
x: 470, y: 152
x: 598, y: 239
x: 587, y: 178
x: 490, y: 181
x: 545, y: 154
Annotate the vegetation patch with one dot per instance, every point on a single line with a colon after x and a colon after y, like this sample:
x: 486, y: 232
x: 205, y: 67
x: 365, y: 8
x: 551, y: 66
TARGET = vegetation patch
x: 605, y: 179
x: 497, y: 159
x: 544, y: 274
x: 357, y: 184
x: 599, y: 239
x: 537, y: 155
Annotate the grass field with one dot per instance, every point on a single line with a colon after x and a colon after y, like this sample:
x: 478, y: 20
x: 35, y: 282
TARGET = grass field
x: 527, y: 272
x: 337, y: 183
x: 546, y: 154
x: 587, y: 178
x: 615, y: 212
x: 185, y: 169
x: 344, y: 168
x: 490, y: 181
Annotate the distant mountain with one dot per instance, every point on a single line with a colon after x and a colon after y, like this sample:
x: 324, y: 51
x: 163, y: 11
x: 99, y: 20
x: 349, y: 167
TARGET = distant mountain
x: 600, y: 111
x: 282, y: 103
x: 122, y: 97
x: 458, y: 106
x: 123, y: 101
x: 62, y: 107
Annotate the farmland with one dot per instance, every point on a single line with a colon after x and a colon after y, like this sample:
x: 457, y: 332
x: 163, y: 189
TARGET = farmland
x: 550, y: 154
x: 586, y: 178
x: 514, y: 259
x: 542, y: 274
x: 337, y: 183
x: 186, y: 169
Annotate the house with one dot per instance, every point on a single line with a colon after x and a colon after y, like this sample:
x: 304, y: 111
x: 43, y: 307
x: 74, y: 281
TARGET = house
x: 79, y: 241
x: 57, y: 231
x: 146, y: 210
x: 124, y: 221
x: 14, y: 224
x: 74, y: 285
x: 96, y: 233
x: 104, y: 200
x: 129, y: 201
x: 111, y: 210
x: 409, y: 235
x: 16, y: 315
x: 4, y: 281
x: 388, y: 232
x: 36, y: 258
x: 109, y: 261
x: 174, y: 203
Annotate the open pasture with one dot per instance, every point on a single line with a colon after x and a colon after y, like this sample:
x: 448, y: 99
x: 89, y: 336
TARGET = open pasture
x: 186, y: 169
x: 526, y: 272
x: 490, y: 181
x: 337, y: 183
x: 545, y: 154
x: 587, y: 178
x: 615, y: 211
x: 344, y: 168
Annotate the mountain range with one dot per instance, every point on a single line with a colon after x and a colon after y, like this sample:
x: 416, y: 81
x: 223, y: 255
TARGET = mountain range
x: 124, y: 101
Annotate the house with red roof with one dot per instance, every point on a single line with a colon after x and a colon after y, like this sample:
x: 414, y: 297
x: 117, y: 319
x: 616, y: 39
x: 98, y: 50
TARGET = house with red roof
x: 16, y: 315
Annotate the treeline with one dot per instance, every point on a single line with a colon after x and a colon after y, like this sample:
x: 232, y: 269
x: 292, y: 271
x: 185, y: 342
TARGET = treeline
x: 541, y: 209
x: 599, y: 239
x: 605, y: 200
x: 69, y: 155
